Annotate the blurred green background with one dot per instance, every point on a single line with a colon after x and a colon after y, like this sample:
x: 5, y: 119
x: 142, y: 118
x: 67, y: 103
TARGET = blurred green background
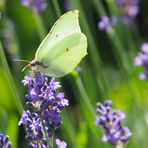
x: 107, y: 72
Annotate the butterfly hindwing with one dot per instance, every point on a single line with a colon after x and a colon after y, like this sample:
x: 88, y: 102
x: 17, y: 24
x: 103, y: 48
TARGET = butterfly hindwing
x: 69, y: 53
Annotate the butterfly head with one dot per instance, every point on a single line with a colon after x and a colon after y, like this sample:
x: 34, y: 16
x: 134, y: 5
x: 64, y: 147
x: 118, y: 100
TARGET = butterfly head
x: 37, y: 65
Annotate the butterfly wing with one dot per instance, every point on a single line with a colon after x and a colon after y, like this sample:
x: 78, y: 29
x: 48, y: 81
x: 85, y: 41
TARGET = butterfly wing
x: 63, y: 47
x: 69, y: 52
x: 64, y: 26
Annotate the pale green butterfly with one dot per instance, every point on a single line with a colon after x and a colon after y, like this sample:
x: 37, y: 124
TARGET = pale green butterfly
x: 63, y: 48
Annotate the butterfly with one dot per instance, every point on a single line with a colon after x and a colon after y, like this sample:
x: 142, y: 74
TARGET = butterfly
x: 63, y: 47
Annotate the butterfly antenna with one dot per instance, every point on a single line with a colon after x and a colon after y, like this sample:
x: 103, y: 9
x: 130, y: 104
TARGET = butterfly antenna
x: 25, y: 67
x: 18, y: 60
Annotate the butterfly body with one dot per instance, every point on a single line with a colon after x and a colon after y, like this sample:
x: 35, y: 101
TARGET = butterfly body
x: 36, y: 64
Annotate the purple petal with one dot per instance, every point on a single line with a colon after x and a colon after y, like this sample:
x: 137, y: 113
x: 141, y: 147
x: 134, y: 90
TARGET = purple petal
x: 61, y: 144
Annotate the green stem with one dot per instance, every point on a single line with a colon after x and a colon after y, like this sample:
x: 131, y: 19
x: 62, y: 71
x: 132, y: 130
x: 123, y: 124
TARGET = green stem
x: 57, y: 8
x: 99, y: 7
x: 86, y: 105
x: 10, y: 80
x: 119, y: 145
x: 52, y: 141
x: 93, y: 52
x: 68, y: 128
x: 40, y: 25
x: 84, y: 95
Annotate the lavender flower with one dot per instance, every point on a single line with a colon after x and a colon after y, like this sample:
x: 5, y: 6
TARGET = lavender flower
x: 47, y: 105
x: 129, y: 9
x: 4, y: 141
x: 111, y: 121
x: 61, y: 144
x: 106, y: 23
x: 35, y: 5
x: 142, y: 60
x: 34, y: 129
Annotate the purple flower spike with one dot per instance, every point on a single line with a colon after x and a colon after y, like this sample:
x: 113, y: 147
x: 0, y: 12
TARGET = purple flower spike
x: 110, y: 120
x: 104, y: 23
x: 144, y: 48
x: 27, y: 79
x: 36, y: 5
x: 133, y: 11
x: 142, y: 60
x: 126, y: 133
x: 4, y: 141
x: 61, y: 144
x: 34, y: 128
x: 47, y: 104
x: 130, y: 7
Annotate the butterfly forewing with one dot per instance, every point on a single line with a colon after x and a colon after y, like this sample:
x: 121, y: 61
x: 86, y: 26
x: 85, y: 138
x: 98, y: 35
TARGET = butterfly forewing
x: 65, y: 25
